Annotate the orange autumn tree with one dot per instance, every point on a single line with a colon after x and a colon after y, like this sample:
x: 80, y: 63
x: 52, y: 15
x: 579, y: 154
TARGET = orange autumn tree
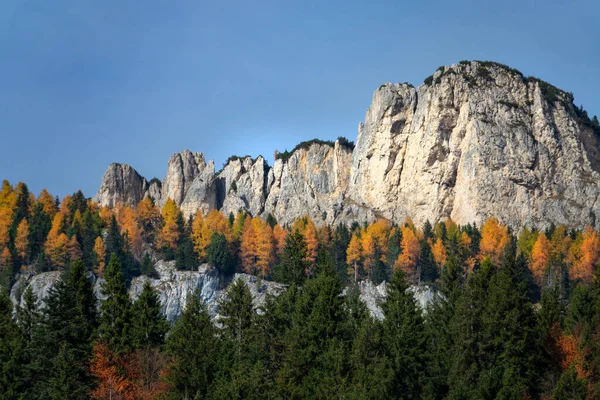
x: 307, y: 228
x: 589, y: 258
x: 411, y: 251
x: 216, y: 222
x: 56, y: 243
x: 354, y: 255
x: 540, y: 257
x: 147, y: 215
x: 494, y: 240
x: 22, y: 239
x: 130, y: 229
x: 279, y: 235
x: 256, y: 248
x: 100, y: 252
x: 169, y: 234
x: 8, y: 203
x: 439, y: 253
x: 110, y: 379
x: 201, y: 235
x: 47, y: 202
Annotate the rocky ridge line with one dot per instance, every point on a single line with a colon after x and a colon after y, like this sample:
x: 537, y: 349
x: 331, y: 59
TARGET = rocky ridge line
x: 477, y: 139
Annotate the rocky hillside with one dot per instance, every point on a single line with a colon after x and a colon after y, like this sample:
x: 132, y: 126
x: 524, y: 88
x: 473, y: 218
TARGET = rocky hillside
x: 173, y: 287
x: 476, y: 140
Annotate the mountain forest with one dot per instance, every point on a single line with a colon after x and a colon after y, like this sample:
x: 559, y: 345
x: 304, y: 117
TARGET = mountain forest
x: 516, y: 314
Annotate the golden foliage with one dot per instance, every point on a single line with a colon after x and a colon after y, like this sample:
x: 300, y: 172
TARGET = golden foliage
x: 494, y: 240
x: 201, y: 235
x: 130, y: 228
x: 169, y: 234
x: 56, y: 243
x: 108, y: 371
x: 100, y: 252
x: 47, y: 202
x: 354, y: 255
x: 256, y: 246
x: 411, y: 251
x: 22, y: 238
x: 540, y: 257
x: 439, y: 253
x: 279, y: 235
x: 587, y: 263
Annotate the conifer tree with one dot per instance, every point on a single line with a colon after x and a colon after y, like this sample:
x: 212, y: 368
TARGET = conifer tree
x: 28, y: 315
x: 115, y: 319
x: 60, y: 347
x: 11, y: 351
x: 314, y: 362
x: 149, y: 325
x: 242, y: 372
x: 219, y: 254
x: 405, y: 341
x: 293, y: 266
x: 194, y: 348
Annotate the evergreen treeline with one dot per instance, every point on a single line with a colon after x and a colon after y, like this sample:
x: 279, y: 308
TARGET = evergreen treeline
x: 515, y: 316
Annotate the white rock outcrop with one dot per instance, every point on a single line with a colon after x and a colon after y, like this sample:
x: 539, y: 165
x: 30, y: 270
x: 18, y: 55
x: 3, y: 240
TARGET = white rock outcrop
x: 477, y: 140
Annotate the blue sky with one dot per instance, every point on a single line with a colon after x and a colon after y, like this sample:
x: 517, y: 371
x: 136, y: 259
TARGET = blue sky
x: 84, y: 83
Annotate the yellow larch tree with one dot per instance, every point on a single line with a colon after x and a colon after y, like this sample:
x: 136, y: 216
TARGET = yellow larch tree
x: 56, y: 243
x: 279, y: 235
x: 238, y: 225
x: 369, y: 256
x: 354, y: 255
x: 100, y: 252
x: 200, y: 235
x: 379, y: 233
x: 307, y: 228
x: 264, y: 247
x: 540, y: 257
x: 6, y: 216
x: 248, y: 245
x: 439, y: 253
x: 65, y: 206
x: 494, y: 240
x: 22, y: 239
x: 216, y: 222
x: 169, y: 234
x: 525, y: 242
x: 130, y: 229
x: 105, y: 215
x: 590, y: 256
x: 411, y: 251
x: 560, y: 242
x: 47, y: 202
x: 147, y: 215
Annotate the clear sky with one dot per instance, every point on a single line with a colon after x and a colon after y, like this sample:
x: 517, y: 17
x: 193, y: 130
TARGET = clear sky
x: 84, y: 83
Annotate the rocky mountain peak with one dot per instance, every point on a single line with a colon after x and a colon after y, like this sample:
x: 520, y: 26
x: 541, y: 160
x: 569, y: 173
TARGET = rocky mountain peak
x: 476, y: 139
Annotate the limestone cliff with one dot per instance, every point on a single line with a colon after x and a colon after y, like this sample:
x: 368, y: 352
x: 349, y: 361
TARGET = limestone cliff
x: 174, y: 286
x: 477, y: 139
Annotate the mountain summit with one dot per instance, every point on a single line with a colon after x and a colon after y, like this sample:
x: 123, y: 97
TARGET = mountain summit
x: 475, y: 140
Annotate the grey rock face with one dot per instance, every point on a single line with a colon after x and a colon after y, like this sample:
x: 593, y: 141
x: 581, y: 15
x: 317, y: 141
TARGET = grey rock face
x: 182, y: 170
x: 172, y: 287
x: 121, y: 184
x: 479, y: 140
x: 373, y: 296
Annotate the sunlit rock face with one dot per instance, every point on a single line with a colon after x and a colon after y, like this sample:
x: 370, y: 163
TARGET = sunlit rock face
x: 477, y: 140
